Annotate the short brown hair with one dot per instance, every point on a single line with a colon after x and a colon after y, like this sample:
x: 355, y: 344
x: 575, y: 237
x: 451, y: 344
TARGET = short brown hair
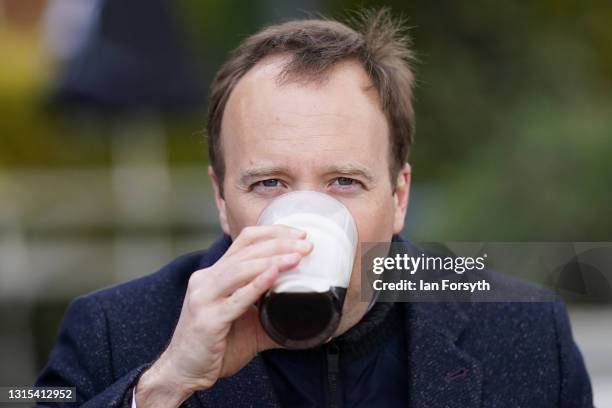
x: 378, y: 41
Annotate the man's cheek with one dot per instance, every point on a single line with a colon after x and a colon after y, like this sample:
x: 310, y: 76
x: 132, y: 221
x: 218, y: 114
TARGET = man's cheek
x: 237, y: 221
x: 243, y: 214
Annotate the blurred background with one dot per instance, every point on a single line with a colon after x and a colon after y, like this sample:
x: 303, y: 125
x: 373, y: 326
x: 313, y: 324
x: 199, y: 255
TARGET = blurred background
x: 103, y: 154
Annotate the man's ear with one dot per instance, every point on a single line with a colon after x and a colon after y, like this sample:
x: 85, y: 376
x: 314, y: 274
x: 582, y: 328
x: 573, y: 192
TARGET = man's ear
x: 400, y: 195
x: 219, y: 201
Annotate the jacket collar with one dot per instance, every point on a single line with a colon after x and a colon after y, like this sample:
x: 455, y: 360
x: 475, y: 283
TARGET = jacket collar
x: 441, y: 372
x: 215, y: 251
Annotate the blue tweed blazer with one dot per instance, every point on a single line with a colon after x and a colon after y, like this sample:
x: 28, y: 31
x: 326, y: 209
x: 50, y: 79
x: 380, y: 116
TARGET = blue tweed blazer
x: 460, y: 354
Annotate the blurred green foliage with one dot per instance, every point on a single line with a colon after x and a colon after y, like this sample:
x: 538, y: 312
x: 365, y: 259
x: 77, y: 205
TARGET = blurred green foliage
x: 513, y: 112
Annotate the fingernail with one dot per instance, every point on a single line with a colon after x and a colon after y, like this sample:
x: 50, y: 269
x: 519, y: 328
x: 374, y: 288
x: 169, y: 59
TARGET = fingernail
x: 303, y: 245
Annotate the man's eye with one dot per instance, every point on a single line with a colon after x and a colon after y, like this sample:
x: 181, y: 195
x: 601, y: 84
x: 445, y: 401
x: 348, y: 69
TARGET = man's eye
x: 346, y: 181
x: 265, y: 186
x: 269, y: 183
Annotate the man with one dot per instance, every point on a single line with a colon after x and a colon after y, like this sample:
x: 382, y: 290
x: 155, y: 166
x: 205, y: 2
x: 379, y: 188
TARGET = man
x: 308, y: 105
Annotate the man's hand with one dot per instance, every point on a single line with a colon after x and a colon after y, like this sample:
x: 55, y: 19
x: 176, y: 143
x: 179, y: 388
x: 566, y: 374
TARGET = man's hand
x: 218, y: 331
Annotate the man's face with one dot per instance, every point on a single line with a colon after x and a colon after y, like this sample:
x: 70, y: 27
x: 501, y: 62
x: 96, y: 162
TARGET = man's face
x: 331, y: 137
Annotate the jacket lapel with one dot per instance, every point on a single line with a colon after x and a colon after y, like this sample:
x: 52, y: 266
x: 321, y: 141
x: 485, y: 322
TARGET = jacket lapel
x: 441, y: 373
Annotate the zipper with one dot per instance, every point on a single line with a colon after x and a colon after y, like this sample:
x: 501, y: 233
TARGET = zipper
x: 333, y: 367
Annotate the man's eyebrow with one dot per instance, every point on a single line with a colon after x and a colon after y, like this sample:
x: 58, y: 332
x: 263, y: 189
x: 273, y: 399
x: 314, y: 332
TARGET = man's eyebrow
x: 262, y: 171
x: 351, y: 170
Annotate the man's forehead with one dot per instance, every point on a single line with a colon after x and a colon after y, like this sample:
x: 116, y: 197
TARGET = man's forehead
x: 267, y: 121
